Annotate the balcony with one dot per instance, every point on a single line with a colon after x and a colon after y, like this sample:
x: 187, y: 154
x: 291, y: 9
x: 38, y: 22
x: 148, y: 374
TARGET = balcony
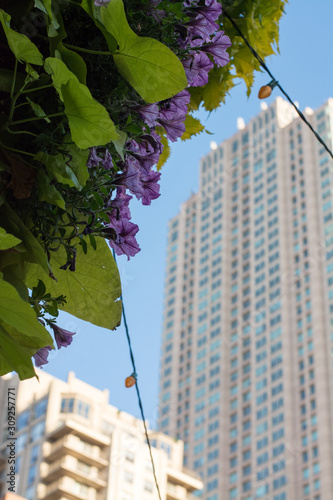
x: 71, y: 445
x: 67, y: 466
x: 185, y: 478
x: 63, y: 489
x: 174, y: 492
x: 71, y: 426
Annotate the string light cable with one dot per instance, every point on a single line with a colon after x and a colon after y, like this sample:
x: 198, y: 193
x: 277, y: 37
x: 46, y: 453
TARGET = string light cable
x: 265, y: 92
x: 132, y: 380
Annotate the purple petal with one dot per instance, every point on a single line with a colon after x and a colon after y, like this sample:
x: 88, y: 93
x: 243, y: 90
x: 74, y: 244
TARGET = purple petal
x: 94, y: 160
x: 62, y: 337
x: 217, y: 48
x: 197, y: 68
x: 125, y: 243
x: 149, y: 114
x: 107, y: 162
x: 41, y: 356
x: 151, y: 188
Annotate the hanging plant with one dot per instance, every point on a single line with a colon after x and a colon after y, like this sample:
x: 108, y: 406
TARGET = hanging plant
x: 91, y: 93
x: 88, y: 101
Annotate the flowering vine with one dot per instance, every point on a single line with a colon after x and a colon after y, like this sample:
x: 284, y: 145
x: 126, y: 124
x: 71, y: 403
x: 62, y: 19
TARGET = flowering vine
x: 91, y: 93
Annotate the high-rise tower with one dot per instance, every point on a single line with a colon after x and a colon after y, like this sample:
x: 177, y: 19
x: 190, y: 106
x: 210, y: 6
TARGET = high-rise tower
x: 246, y: 368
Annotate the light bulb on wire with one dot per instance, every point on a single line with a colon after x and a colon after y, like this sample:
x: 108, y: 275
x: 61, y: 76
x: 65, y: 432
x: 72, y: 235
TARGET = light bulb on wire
x: 266, y: 90
x: 131, y: 380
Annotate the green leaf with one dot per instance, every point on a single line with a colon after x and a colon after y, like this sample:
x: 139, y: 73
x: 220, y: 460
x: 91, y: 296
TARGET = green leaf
x: 13, y: 224
x: 152, y: 69
x: 74, y: 62
x: 92, y: 291
x: 60, y: 73
x: 13, y: 356
x: 38, y: 110
x: 214, y: 92
x: 193, y: 126
x: 48, y: 192
x: 10, y: 275
x: 21, y: 334
x: 7, y: 240
x: 95, y: 14
x: 89, y: 122
x: 22, y: 48
x: 58, y: 169
x: 78, y: 163
x: 120, y: 143
x: 165, y: 153
x: 46, y: 6
x: 32, y: 74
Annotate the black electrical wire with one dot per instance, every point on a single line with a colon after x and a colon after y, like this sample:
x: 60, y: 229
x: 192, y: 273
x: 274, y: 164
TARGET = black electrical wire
x: 262, y: 63
x: 134, y: 374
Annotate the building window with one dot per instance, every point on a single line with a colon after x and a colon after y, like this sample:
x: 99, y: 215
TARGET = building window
x: 32, y: 474
x: 37, y: 431
x: 67, y: 405
x: 34, y: 453
x: 128, y: 476
x: 23, y: 420
x: 148, y: 486
x: 40, y: 408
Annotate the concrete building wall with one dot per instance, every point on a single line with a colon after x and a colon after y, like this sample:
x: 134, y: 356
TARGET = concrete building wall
x: 70, y: 443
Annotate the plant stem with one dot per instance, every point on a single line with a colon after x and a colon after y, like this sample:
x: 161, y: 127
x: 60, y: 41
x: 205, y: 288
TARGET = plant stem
x: 88, y: 51
x: 14, y: 80
x: 27, y: 120
x: 16, y: 150
x: 37, y: 88
x: 22, y: 104
x: 21, y: 132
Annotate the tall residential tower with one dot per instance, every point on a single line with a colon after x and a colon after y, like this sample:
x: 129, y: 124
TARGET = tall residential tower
x: 246, y: 367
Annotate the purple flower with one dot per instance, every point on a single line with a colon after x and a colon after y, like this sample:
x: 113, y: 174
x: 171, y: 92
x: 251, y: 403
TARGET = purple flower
x: 197, y: 68
x: 101, y: 3
x: 149, y: 114
x: 125, y: 242
x: 144, y: 154
x: 119, y: 205
x: 94, y: 160
x: 174, y: 128
x: 217, y: 48
x: 151, y: 188
x: 176, y: 107
x: 130, y: 179
x: 62, y: 337
x: 107, y: 162
x: 211, y: 11
x: 41, y: 356
x: 199, y: 31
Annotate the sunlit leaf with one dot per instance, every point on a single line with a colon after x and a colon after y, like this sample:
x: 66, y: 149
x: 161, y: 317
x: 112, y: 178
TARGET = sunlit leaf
x: 193, y: 126
x: 89, y: 122
x: 7, y: 240
x: 21, y: 334
x: 152, y: 69
x: 92, y: 291
x: 38, y: 110
x: 22, y: 48
x: 48, y: 192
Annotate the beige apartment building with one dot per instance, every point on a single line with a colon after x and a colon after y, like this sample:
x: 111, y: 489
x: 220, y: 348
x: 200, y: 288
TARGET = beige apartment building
x: 246, y: 366
x: 71, y: 444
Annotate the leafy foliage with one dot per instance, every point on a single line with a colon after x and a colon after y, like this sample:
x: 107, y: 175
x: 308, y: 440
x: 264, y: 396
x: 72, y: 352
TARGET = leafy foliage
x: 88, y: 103
x: 259, y: 22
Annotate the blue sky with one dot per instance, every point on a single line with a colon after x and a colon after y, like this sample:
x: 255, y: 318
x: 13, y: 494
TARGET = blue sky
x: 304, y: 68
